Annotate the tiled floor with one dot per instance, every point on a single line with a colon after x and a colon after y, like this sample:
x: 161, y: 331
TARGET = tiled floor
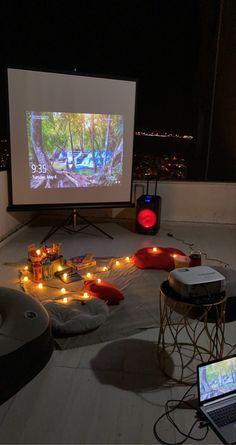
x: 110, y: 392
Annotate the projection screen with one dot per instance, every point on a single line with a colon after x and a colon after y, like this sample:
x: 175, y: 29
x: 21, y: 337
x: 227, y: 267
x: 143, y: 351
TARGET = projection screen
x: 71, y: 139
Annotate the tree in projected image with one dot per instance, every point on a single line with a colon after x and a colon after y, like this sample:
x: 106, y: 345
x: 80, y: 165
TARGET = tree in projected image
x: 218, y: 378
x: 68, y: 150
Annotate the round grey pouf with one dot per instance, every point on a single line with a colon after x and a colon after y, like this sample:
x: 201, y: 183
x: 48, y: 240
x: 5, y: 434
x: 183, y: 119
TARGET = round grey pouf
x: 26, y: 343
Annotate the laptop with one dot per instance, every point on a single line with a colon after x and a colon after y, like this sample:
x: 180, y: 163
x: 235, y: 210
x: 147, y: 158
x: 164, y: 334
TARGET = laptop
x: 216, y: 382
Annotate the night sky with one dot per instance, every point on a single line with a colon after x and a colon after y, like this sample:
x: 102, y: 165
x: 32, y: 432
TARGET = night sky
x: 155, y: 42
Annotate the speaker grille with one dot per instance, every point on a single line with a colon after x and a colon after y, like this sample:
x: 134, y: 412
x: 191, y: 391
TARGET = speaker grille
x: 148, y: 214
x: 147, y: 218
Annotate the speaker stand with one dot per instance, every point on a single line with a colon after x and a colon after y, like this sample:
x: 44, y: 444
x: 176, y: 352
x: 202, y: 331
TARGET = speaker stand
x: 72, y: 219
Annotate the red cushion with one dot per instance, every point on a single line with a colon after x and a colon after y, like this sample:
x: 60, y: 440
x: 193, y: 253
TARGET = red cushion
x: 104, y: 290
x: 147, y: 258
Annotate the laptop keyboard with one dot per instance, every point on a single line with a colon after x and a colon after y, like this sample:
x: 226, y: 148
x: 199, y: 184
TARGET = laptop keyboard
x: 225, y: 415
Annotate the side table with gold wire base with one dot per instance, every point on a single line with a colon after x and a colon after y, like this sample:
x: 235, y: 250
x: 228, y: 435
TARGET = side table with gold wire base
x: 200, y: 323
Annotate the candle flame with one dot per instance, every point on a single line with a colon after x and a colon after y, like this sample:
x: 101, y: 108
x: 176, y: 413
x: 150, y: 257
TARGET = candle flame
x: 63, y: 290
x: 99, y: 280
x: 85, y: 295
x: 38, y: 251
x: 26, y: 268
x: 65, y: 300
x: 59, y: 268
x: 26, y: 279
x: 40, y: 285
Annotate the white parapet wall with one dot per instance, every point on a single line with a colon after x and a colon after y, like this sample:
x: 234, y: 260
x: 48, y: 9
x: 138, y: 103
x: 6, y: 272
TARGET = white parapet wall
x: 210, y: 202
x: 9, y: 222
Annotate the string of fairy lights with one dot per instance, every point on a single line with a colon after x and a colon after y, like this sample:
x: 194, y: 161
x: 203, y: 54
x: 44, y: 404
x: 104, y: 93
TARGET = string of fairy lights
x: 64, y: 294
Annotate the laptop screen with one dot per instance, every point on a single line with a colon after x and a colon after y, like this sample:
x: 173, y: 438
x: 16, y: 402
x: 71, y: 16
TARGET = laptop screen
x: 216, y: 379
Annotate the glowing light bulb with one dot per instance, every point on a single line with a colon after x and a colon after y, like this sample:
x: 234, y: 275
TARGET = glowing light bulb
x: 88, y: 275
x: 117, y: 263
x: 63, y: 290
x: 174, y: 255
x: 26, y: 268
x: 59, y: 268
x: 65, y: 276
x: 99, y: 280
x: 85, y: 295
x: 40, y: 285
x: 65, y: 300
x: 38, y: 252
x: 154, y: 249
x: 104, y: 268
x: 26, y: 279
x: 127, y: 258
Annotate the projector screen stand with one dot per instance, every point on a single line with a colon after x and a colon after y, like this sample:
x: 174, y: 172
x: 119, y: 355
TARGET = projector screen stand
x: 72, y: 219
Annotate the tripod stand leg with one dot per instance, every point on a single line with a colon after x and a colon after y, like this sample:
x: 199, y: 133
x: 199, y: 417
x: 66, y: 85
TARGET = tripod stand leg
x: 54, y: 229
x: 72, y: 219
x: 89, y: 223
x: 50, y: 233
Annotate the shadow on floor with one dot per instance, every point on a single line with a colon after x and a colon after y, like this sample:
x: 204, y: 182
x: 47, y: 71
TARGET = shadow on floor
x: 130, y: 364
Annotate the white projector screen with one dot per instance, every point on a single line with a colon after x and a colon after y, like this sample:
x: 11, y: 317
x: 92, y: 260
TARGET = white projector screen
x: 71, y: 139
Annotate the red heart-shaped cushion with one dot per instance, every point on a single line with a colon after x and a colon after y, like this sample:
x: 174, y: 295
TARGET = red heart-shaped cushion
x: 162, y: 258
x: 104, y: 290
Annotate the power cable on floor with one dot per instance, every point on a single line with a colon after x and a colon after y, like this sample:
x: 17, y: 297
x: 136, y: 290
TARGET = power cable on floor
x: 195, y: 249
x: 166, y: 414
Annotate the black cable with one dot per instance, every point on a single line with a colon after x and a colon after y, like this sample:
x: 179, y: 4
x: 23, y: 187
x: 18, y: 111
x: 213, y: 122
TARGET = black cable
x: 177, y: 428
x: 167, y: 412
x: 214, y: 259
x: 191, y: 245
x: 180, y: 239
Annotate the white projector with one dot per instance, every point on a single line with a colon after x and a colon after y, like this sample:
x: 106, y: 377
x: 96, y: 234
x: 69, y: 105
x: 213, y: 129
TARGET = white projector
x: 196, y: 281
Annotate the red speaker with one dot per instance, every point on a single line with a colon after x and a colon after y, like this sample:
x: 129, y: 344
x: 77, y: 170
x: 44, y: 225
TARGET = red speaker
x: 148, y: 214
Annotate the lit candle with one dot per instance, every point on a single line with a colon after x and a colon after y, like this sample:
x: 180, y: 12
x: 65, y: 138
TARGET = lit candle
x: 127, y: 258
x: 117, y: 263
x: 26, y: 279
x: 65, y: 276
x: 59, y: 268
x: 99, y: 280
x: 63, y: 290
x: 65, y: 300
x: 88, y: 275
x: 154, y: 249
x: 104, y: 268
x: 181, y: 260
x: 40, y: 285
x: 38, y: 252
x: 26, y: 268
x: 85, y: 295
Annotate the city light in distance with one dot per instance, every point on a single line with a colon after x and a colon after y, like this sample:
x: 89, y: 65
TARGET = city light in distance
x: 163, y: 135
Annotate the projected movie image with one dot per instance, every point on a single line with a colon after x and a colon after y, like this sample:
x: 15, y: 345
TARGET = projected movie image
x: 73, y: 150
